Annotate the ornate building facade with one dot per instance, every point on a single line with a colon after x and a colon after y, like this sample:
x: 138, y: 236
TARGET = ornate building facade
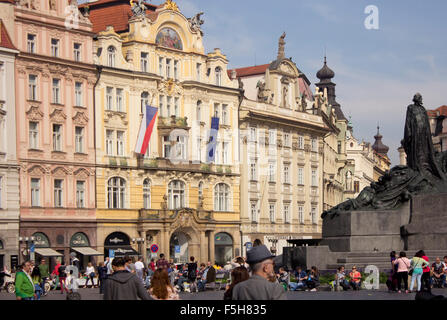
x: 9, y: 169
x: 171, y: 197
x: 282, y: 143
x: 55, y: 79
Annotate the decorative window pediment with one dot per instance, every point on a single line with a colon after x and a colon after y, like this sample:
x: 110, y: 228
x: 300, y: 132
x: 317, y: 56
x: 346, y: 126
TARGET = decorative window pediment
x: 58, y: 116
x: 34, y: 113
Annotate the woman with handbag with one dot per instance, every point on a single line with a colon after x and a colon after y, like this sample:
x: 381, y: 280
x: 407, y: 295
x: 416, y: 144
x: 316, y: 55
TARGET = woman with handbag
x: 417, y: 265
x: 403, y: 265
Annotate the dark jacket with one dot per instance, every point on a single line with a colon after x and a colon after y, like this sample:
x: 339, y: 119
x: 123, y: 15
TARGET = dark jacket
x: 102, y: 272
x: 211, y: 275
x: 123, y: 285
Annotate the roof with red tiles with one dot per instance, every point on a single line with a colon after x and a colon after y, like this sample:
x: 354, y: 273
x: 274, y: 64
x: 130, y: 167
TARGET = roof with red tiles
x: 10, y: 1
x: 442, y: 110
x: 249, y: 71
x: 5, y: 40
x: 114, y: 13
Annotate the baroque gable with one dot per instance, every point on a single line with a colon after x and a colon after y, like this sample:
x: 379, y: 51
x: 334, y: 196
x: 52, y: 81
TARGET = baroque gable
x: 58, y: 116
x: 80, y: 119
x: 34, y: 113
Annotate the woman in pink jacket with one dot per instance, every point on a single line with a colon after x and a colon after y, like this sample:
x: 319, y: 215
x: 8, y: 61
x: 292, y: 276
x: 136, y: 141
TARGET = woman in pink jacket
x: 403, y: 265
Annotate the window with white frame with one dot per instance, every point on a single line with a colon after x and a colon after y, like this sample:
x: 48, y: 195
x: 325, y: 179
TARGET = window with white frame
x: 176, y: 195
x: 168, y: 106
x: 144, y: 61
x: 58, y: 192
x: 286, y: 167
x: 216, y: 110
x: 55, y: 47
x: 225, y: 114
x: 301, y: 214
x: 314, y: 215
x: 286, y: 213
x: 111, y: 54
x: 272, y: 171
x: 79, y: 139
x: 166, y: 147
x: 78, y: 93
x: 199, y: 149
x: 116, y: 190
x: 176, y: 67
x: 34, y: 135
x: 147, y: 194
x: 198, y: 68
x: 272, y: 137
x: 199, y: 111
x: 272, y: 212
x: 300, y: 175
x: 161, y: 101
x: 80, y: 194
x: 200, y: 190
x: 109, y: 98
x: 57, y: 137
x: 168, y: 68
x: 180, y: 147
x: 253, y: 170
x: 218, y: 72
x: 144, y: 100
x: 225, y: 152
x: 222, y: 197
x: 119, y: 100
x: 253, y: 135
x: 35, y: 192
x: 314, y: 178
x: 287, y: 140
x: 31, y: 43
x: 32, y: 87
x: 109, y: 142
x: 160, y: 66
x: 300, y: 142
x: 56, y: 90
x: 77, y: 51
x: 254, y: 211
x: 176, y: 107
x: 120, y: 143
x: 314, y: 144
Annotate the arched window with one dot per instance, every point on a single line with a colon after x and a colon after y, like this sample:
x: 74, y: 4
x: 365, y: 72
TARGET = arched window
x: 116, y: 191
x: 199, y: 110
x: 222, y: 197
x: 218, y: 72
x: 144, y: 100
x: 111, y: 52
x: 147, y: 194
x: 176, y: 195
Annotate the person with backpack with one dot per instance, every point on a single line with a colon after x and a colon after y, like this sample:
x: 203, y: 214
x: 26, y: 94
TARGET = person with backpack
x: 417, y: 265
x: 403, y: 266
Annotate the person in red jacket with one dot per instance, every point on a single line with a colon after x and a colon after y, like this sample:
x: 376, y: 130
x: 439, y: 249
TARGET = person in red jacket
x: 425, y: 279
x: 55, y: 274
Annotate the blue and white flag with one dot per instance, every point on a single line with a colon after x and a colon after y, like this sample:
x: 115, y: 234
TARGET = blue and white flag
x: 212, y: 141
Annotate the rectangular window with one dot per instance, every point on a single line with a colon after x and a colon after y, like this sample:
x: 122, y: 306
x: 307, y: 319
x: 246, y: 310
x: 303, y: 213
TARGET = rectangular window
x: 199, y: 149
x: 225, y: 114
x: 300, y: 142
x: 57, y: 137
x: 287, y: 141
x: 314, y: 178
x: 314, y: 215
x: 119, y: 100
x: 120, y: 143
x: 161, y: 104
x: 55, y: 47
x: 80, y: 194
x: 109, y: 98
x: 272, y: 171
x: 272, y: 137
x: 160, y: 66
x: 176, y: 107
x: 198, y: 67
x: 272, y: 212
x: 35, y: 192
x: 77, y: 52
x: 166, y: 147
x: 216, y: 110
x: 78, y: 93
x: 286, y: 173
x: 253, y: 135
x: 58, y: 193
x: 286, y: 214
x: 144, y: 61
x: 225, y: 153
x: 181, y: 147
x: 253, y: 170
x: 34, y: 135
x: 300, y: 214
x: 314, y: 145
x: 301, y: 176
x: 176, y: 64
x: 56, y: 91
x: 168, y: 68
x: 254, y: 211
x: 168, y: 106
x: 109, y: 142
x: 31, y: 43
x: 79, y: 139
x: 32, y: 87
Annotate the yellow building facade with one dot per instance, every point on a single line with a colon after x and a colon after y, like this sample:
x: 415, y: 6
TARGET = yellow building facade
x: 171, y: 197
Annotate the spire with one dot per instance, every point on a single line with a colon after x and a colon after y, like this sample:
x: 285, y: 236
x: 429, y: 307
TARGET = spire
x: 378, y: 146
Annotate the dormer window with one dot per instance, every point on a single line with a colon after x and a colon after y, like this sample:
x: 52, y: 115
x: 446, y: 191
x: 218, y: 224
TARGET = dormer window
x: 111, y: 52
x: 218, y: 72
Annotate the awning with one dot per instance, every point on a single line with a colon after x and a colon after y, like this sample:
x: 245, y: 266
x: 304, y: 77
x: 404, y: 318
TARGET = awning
x: 123, y: 251
x: 87, y: 251
x: 48, y: 252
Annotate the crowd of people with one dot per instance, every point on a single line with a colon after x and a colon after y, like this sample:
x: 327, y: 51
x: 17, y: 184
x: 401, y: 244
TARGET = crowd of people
x: 252, y: 278
x: 419, y: 269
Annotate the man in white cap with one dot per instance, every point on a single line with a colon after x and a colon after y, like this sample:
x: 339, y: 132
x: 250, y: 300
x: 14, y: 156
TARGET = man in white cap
x: 258, y: 287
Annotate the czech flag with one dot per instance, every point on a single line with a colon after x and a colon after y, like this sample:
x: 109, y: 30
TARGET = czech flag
x: 146, y: 127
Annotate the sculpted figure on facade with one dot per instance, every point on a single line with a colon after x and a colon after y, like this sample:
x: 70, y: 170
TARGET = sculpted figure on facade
x: 138, y: 9
x: 195, y: 23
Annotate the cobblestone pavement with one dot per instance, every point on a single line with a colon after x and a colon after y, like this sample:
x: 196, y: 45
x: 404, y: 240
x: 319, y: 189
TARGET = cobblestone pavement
x: 93, y: 294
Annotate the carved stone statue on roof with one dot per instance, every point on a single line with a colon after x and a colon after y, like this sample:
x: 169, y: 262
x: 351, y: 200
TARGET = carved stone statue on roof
x: 281, y: 45
x: 138, y: 9
x: 195, y: 22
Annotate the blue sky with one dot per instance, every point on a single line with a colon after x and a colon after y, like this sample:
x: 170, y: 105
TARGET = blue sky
x: 377, y: 72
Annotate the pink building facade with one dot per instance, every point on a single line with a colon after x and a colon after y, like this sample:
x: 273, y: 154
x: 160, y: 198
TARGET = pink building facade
x: 55, y: 79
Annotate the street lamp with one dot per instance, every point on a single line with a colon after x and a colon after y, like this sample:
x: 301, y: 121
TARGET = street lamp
x: 29, y: 250
x: 138, y: 241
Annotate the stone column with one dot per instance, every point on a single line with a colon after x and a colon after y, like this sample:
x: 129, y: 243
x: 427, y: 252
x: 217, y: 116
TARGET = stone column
x: 211, y: 246
x: 165, y: 248
x: 144, y: 246
x: 203, y: 242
